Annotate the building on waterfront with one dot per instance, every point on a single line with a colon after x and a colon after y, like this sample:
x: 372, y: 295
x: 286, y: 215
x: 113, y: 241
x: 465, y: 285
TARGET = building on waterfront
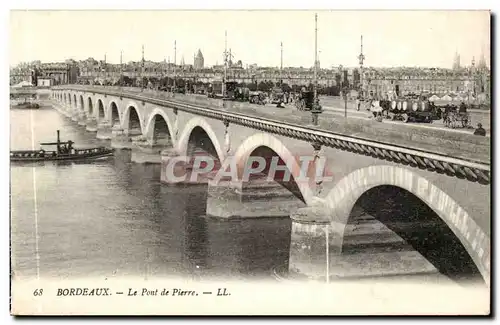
x: 379, y: 82
x: 24, y: 72
x: 49, y: 74
x: 394, y: 82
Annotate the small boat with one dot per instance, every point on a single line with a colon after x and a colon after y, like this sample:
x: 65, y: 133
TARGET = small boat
x: 64, y: 151
x: 28, y: 105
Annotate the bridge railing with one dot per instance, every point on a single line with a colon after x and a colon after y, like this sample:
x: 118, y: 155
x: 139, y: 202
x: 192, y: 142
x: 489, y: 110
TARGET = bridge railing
x: 469, y: 169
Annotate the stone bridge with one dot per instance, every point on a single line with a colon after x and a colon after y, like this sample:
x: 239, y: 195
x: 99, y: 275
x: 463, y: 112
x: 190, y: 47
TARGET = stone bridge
x: 438, y: 201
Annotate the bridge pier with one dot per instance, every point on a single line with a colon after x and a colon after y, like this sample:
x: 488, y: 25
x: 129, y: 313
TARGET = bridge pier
x: 74, y: 115
x: 178, y: 169
x: 91, y: 124
x: 65, y: 110
x: 122, y: 138
x: 363, y: 248
x: 82, y: 118
x: 227, y: 199
x: 147, y: 151
x: 315, y: 242
x: 103, y: 130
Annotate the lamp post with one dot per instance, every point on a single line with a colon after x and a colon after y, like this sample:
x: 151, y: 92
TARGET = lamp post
x: 361, y: 59
x: 224, y: 79
x: 316, y: 107
x: 121, y: 69
x: 175, y: 63
x: 142, y: 69
x: 105, y: 71
x: 344, y: 92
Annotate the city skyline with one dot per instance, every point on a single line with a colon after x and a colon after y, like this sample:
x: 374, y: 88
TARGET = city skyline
x: 37, y: 35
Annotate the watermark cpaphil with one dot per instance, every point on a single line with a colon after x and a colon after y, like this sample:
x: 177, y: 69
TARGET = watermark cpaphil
x: 202, y: 167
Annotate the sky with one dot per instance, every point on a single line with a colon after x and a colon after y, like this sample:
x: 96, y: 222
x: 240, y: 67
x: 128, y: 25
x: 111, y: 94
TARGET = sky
x: 390, y: 38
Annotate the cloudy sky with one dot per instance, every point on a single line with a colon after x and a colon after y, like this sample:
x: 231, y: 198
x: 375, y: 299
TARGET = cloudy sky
x: 391, y: 38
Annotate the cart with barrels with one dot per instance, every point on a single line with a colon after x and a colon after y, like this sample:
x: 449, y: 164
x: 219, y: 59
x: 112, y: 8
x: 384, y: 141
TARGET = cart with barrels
x: 411, y: 110
x: 257, y: 97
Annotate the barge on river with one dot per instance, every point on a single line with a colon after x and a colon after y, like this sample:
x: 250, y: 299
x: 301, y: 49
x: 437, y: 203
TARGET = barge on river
x: 64, y: 152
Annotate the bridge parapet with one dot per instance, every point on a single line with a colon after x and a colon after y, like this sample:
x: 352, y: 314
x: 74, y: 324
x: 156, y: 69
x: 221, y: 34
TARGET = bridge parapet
x: 475, y: 170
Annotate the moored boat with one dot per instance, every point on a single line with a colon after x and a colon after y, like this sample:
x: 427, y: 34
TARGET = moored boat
x: 64, y: 151
x: 28, y: 105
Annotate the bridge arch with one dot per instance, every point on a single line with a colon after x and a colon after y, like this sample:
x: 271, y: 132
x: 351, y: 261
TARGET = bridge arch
x: 74, y: 101
x: 198, y: 122
x: 266, y: 144
x: 82, y: 105
x: 132, y: 120
x: 90, y: 107
x: 382, y: 179
x: 69, y: 101
x: 113, y: 115
x: 157, y: 118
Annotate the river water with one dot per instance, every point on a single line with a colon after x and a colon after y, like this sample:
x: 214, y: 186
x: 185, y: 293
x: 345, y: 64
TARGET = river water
x: 113, y: 218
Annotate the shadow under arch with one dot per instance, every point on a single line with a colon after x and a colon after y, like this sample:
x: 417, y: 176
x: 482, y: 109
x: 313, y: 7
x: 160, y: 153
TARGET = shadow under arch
x: 420, y: 227
x: 74, y: 101
x: 268, y: 146
x: 82, y: 105
x: 280, y: 176
x: 200, y: 142
x: 132, y: 121
x: 183, y: 146
x: 158, y: 129
x: 429, y: 199
x: 91, y: 107
x: 113, y: 115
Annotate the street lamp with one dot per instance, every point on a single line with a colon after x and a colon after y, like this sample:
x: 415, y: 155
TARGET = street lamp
x: 344, y: 92
x: 316, y: 107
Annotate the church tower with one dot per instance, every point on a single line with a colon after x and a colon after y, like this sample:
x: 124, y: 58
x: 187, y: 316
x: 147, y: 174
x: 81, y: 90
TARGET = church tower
x: 456, y: 61
x: 482, y: 63
x: 199, y: 61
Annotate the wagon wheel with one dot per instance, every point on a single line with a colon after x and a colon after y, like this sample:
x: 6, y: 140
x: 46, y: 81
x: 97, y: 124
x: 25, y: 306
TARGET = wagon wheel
x: 463, y: 120
x: 449, y: 121
x: 469, y: 121
x: 466, y: 121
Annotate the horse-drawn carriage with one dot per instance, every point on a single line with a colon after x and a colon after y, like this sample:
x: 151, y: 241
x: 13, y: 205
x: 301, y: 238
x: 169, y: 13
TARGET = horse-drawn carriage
x: 456, y: 117
x: 305, y: 101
